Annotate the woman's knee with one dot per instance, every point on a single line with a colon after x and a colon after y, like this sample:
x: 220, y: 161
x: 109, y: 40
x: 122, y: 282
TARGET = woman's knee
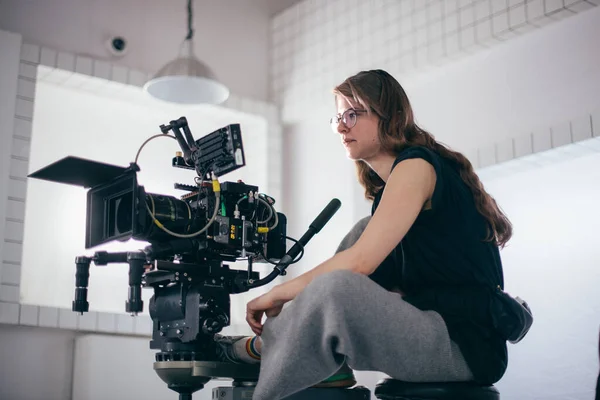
x: 335, y: 279
x: 334, y: 286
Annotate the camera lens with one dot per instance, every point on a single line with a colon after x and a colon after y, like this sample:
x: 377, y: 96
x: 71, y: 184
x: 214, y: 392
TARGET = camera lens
x: 124, y: 210
x: 172, y: 213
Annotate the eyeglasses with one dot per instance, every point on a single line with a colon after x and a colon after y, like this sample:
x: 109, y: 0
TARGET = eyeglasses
x: 348, y: 118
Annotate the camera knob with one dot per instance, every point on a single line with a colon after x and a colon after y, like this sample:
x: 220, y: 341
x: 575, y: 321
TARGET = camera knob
x: 211, y: 326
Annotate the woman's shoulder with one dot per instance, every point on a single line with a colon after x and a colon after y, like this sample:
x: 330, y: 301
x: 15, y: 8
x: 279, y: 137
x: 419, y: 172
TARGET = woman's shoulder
x: 425, y: 153
x: 417, y: 151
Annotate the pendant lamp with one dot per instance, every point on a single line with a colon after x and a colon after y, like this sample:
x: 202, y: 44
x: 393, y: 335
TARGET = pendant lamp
x: 187, y: 80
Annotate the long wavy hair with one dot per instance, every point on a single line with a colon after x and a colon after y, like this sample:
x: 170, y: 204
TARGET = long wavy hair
x: 380, y: 94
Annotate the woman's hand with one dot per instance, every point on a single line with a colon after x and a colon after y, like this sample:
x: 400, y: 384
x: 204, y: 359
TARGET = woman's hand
x: 267, y: 304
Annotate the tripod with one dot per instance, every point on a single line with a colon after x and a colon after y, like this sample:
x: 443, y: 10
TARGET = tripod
x: 191, y: 303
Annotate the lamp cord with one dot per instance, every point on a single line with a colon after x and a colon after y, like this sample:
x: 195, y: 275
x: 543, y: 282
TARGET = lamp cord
x: 190, y: 30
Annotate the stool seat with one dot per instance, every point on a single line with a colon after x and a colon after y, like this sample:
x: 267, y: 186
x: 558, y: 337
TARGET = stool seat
x: 392, y: 389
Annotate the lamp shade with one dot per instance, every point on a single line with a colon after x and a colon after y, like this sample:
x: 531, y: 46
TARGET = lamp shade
x: 186, y: 80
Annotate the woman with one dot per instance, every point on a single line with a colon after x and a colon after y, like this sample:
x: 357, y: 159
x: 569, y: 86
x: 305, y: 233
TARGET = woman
x: 410, y: 297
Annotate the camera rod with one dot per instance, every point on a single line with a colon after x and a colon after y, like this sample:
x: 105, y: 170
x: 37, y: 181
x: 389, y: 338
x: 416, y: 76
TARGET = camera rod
x: 136, y: 261
x: 314, y: 228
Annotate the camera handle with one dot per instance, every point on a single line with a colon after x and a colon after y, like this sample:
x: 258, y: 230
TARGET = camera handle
x: 134, y: 303
x: 136, y: 261
x: 82, y: 277
x: 186, y: 143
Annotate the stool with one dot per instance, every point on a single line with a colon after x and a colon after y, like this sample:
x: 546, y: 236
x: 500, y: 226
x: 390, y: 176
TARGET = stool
x: 392, y: 389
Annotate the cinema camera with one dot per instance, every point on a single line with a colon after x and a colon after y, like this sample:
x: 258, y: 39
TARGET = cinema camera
x: 190, y: 239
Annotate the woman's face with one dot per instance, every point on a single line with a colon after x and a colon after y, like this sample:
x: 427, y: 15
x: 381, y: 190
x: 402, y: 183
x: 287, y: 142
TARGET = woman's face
x: 358, y: 130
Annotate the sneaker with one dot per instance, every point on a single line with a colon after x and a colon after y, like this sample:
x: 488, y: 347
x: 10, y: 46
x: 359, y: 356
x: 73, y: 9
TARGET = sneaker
x: 343, y: 378
x: 226, y: 350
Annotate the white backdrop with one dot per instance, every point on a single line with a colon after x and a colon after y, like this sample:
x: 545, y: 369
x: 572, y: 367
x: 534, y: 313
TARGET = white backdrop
x: 552, y: 262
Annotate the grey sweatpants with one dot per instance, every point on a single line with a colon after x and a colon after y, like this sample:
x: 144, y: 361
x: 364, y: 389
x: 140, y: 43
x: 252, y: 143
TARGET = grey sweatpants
x: 346, y: 317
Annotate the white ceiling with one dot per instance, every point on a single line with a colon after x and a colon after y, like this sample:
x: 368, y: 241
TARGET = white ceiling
x: 276, y: 6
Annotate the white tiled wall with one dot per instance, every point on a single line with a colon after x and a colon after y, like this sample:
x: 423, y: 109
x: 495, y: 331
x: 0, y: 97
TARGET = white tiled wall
x: 578, y: 130
x: 9, y: 271
x: 316, y: 43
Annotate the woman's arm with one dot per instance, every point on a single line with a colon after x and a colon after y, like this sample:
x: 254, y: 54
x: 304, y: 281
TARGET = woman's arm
x: 408, y: 188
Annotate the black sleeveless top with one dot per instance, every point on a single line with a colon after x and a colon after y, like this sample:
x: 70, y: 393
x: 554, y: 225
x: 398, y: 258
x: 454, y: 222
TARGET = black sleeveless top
x: 444, y: 264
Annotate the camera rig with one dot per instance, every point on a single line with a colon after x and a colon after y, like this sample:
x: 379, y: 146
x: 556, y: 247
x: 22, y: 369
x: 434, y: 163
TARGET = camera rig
x: 189, y: 239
